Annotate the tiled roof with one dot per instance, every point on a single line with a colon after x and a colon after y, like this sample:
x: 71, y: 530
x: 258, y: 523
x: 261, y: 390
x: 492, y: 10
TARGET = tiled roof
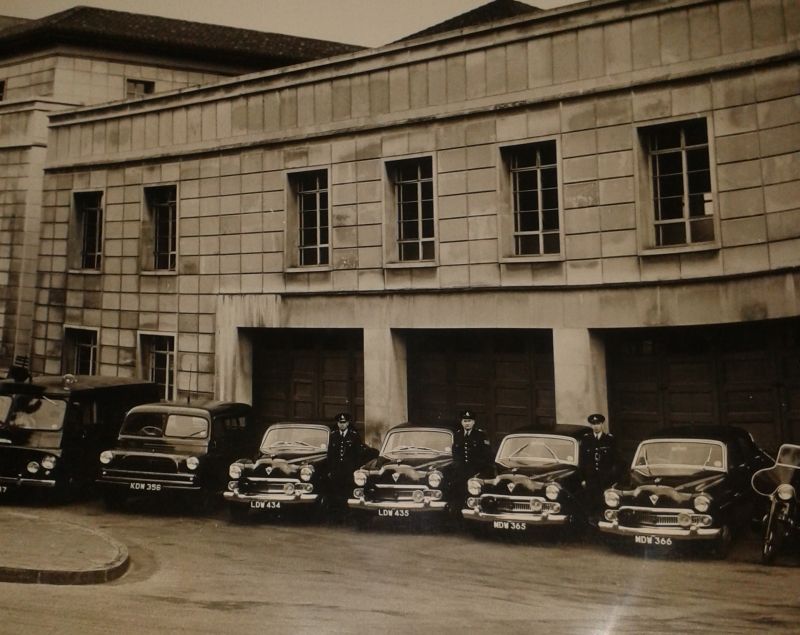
x: 491, y: 12
x: 122, y: 31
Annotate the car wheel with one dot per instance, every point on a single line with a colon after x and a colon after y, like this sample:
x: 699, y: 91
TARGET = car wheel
x: 724, y: 541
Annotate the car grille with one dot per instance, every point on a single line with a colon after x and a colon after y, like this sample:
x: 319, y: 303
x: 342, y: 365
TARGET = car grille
x: 159, y: 464
x: 255, y: 485
x: 393, y: 492
x: 648, y: 518
x: 510, y: 504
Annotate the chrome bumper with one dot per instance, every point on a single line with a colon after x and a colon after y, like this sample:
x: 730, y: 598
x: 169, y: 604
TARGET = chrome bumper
x: 27, y: 482
x: 411, y: 506
x: 535, y: 519
x: 165, y: 485
x: 678, y: 533
x: 290, y: 499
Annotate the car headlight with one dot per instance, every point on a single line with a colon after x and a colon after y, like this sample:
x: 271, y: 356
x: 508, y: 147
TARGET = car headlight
x: 435, y: 479
x: 360, y: 478
x: 702, y: 503
x: 551, y: 491
x: 235, y: 470
x: 474, y: 486
x: 49, y: 462
x: 785, y: 492
x: 611, y: 498
x: 33, y: 467
x: 306, y: 472
x: 106, y: 457
x: 192, y: 462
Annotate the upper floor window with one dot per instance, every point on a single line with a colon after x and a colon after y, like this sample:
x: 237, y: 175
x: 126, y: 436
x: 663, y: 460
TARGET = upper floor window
x: 158, y: 362
x: 135, y: 88
x: 87, y: 231
x: 80, y: 351
x: 412, y: 190
x: 2, y: 89
x: 309, y: 205
x: 533, y: 172
x: 160, y: 230
x: 680, y: 182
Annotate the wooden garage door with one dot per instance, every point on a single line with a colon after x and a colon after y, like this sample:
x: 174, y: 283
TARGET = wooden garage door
x: 744, y: 375
x: 308, y: 375
x: 505, y: 377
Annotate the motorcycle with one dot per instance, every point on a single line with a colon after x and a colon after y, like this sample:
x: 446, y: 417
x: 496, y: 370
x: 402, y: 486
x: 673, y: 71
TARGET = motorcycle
x: 781, y: 485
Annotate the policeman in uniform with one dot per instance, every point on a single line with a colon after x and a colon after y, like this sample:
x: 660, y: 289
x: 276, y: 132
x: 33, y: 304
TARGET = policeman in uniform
x: 344, y: 457
x: 599, y: 462
x: 471, y: 453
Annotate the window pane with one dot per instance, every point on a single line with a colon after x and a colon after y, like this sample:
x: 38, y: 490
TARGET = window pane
x: 409, y: 230
x: 527, y: 245
x: 697, y: 159
x: 550, y: 220
x: 666, y: 137
x: 670, y: 186
x: 528, y: 201
x: 669, y: 163
x: 550, y: 199
x: 526, y: 181
x: 552, y: 244
x: 523, y: 158
x: 528, y: 221
x: 427, y: 228
x: 409, y: 251
x: 695, y: 132
x: 428, y: 250
x: 702, y: 230
x: 699, y: 182
x: 672, y: 234
x: 426, y: 190
x: 547, y: 153
x: 669, y: 208
x: 549, y: 177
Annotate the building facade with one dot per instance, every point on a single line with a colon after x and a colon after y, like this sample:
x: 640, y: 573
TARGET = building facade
x: 85, y: 56
x: 586, y: 209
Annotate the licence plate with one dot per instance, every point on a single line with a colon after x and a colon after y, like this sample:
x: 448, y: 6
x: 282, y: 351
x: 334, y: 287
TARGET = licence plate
x: 510, y: 525
x: 398, y: 513
x: 145, y: 487
x: 3, y: 489
x: 659, y: 541
x: 265, y: 504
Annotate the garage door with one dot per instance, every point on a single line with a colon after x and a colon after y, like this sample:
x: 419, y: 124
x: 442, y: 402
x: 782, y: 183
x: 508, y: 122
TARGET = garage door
x: 505, y: 377
x: 746, y: 375
x: 308, y: 375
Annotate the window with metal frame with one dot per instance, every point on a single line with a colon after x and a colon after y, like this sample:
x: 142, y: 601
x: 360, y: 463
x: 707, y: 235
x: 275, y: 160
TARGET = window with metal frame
x: 412, y: 181
x: 162, y: 209
x: 137, y: 88
x: 680, y: 174
x: 80, y: 351
x: 313, y: 225
x: 89, y: 218
x: 158, y: 361
x: 533, y: 170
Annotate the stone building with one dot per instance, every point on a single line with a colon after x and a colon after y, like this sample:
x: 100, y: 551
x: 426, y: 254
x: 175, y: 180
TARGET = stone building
x: 86, y: 56
x: 586, y: 209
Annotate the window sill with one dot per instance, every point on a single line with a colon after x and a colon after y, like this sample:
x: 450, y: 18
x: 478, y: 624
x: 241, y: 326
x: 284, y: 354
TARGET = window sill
x: 412, y: 264
x: 90, y: 272
x: 679, y: 249
x: 527, y: 260
x: 308, y: 269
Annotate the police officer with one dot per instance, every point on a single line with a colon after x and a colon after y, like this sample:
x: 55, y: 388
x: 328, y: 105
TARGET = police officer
x: 471, y: 448
x: 344, y: 457
x: 599, y: 462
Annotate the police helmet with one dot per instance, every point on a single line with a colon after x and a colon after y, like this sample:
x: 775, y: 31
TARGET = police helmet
x: 596, y: 419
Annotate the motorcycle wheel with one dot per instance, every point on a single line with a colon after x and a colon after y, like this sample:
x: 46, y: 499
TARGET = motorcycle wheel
x: 773, y: 535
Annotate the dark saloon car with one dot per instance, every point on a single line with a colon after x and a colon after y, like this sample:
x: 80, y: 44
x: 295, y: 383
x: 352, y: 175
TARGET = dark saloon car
x: 536, y: 480
x: 413, y: 474
x: 688, y: 483
x: 52, y: 428
x: 175, y: 448
x: 289, y: 471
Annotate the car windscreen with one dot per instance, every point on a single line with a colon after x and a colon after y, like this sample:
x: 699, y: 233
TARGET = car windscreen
x: 32, y: 413
x: 294, y: 439
x: 676, y: 457
x: 166, y: 425
x: 418, y: 442
x: 789, y: 455
x: 537, y: 450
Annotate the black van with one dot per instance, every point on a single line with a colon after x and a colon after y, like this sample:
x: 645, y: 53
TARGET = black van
x: 51, y: 428
x: 176, y: 448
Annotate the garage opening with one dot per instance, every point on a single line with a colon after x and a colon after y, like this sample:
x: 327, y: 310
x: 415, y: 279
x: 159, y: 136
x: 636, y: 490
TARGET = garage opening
x: 505, y: 376
x: 308, y: 374
x: 745, y: 374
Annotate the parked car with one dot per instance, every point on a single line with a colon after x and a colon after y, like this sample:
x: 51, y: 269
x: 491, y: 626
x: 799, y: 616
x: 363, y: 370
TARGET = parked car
x: 537, y: 480
x: 780, y: 484
x: 175, y: 448
x: 52, y: 428
x: 414, y: 474
x: 689, y: 483
x: 289, y: 471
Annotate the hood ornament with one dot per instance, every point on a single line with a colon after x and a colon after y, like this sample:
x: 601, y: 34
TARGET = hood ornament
x: 396, y: 477
x: 654, y: 498
x: 511, y: 487
x: 269, y: 471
